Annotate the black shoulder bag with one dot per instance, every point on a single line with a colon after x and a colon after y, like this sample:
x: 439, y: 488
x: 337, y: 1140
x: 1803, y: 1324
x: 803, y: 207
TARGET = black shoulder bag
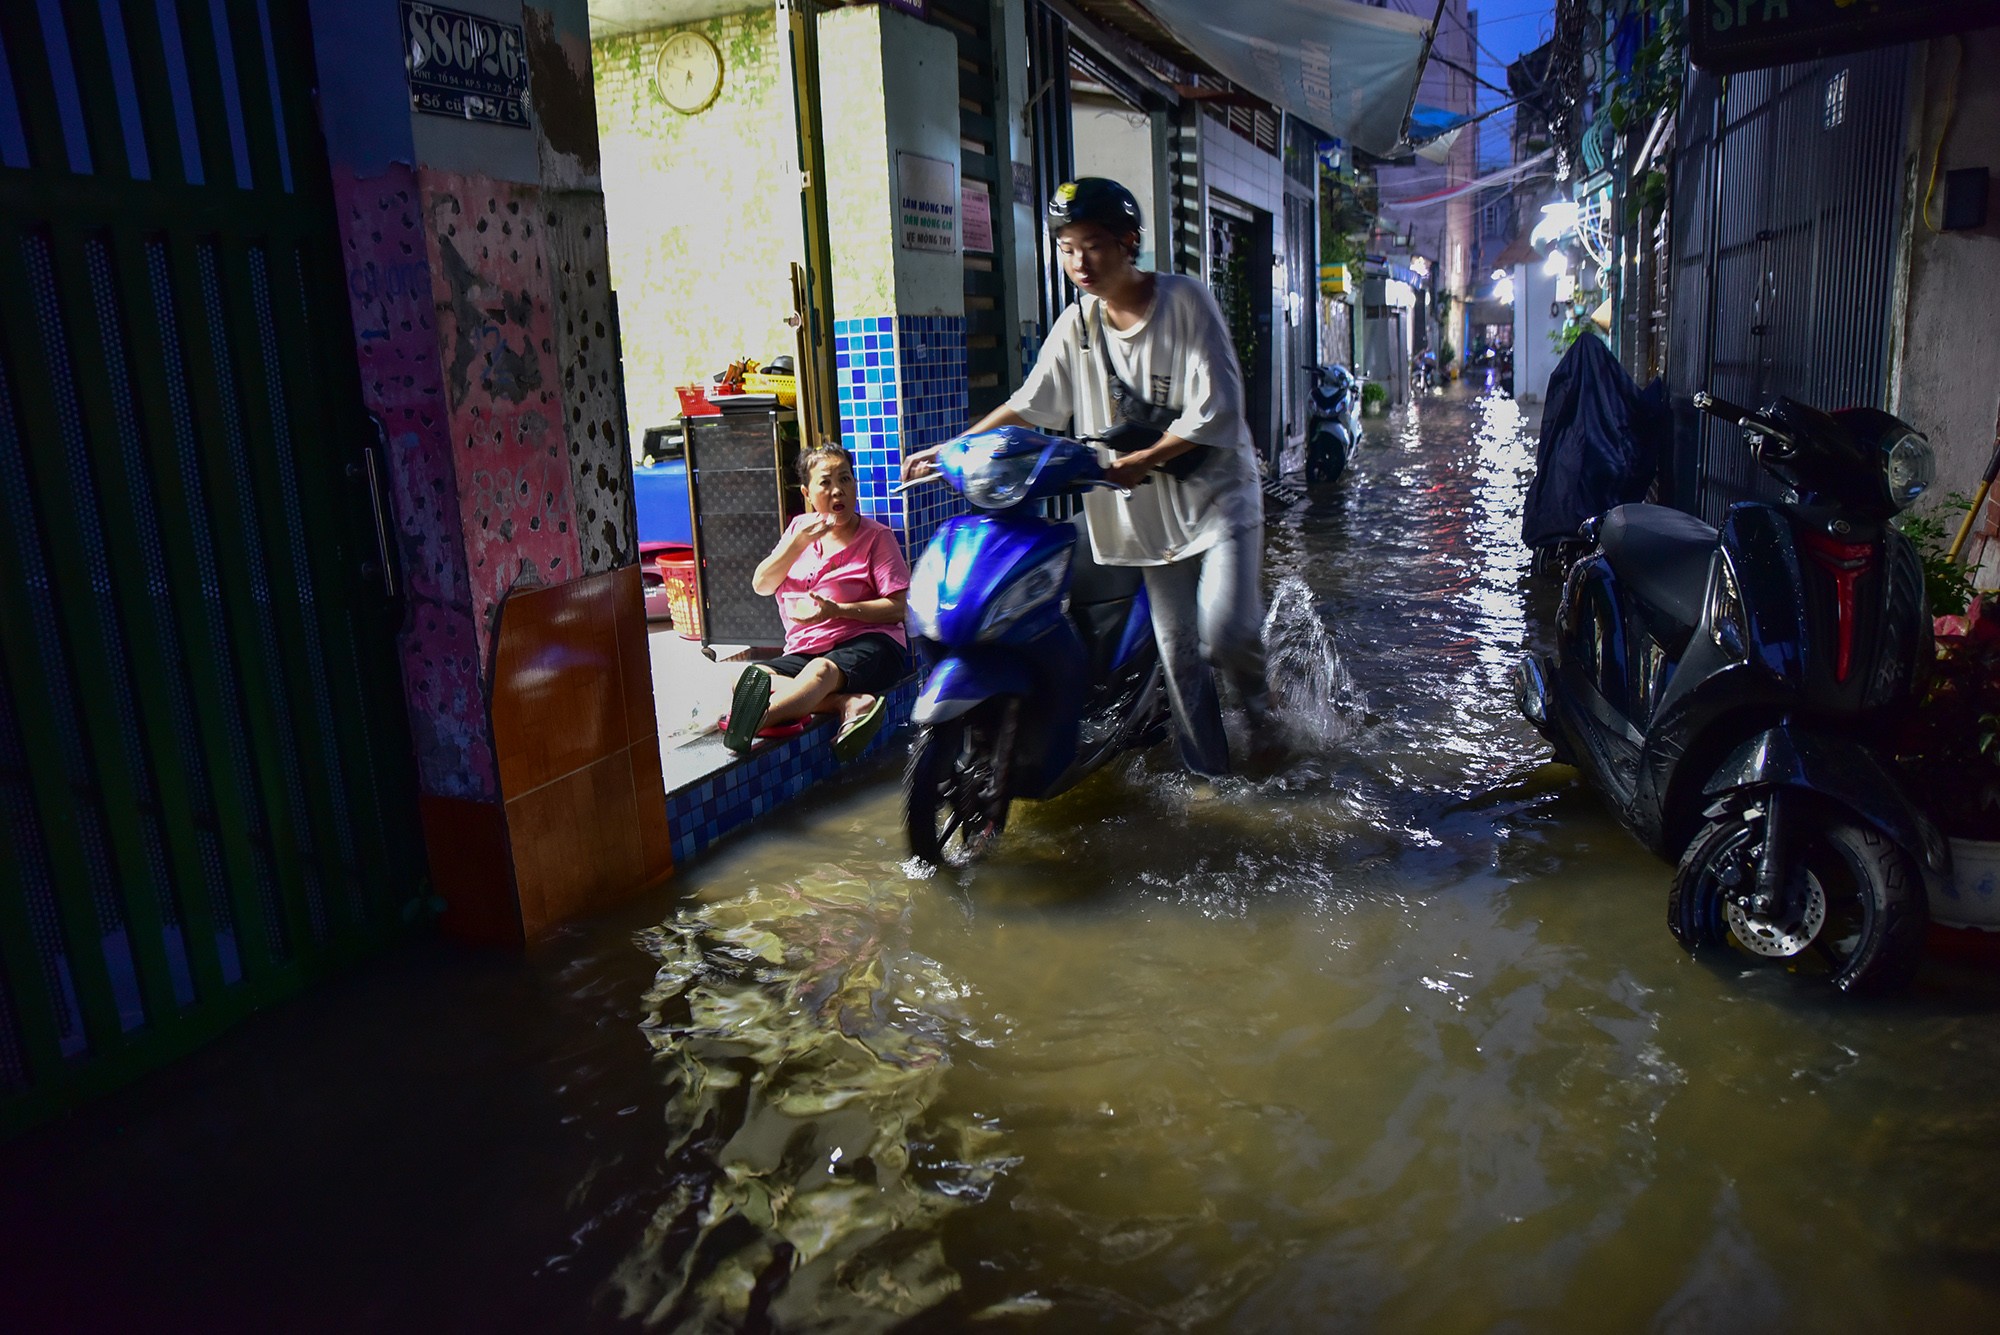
x: 1136, y: 423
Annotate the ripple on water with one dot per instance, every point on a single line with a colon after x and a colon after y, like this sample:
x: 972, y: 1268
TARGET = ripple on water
x: 1389, y: 1037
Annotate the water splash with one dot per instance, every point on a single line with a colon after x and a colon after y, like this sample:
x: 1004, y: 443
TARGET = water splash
x: 1318, y: 704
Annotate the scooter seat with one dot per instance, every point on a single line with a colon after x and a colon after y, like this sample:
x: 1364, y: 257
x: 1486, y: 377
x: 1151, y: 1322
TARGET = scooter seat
x: 1662, y: 555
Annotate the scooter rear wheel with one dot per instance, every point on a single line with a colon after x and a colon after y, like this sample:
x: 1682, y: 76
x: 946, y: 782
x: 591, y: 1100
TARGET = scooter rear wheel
x: 1862, y: 912
x: 950, y: 811
x: 1326, y: 459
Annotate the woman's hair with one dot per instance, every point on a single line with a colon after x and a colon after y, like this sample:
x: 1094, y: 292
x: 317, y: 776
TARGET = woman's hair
x: 816, y: 455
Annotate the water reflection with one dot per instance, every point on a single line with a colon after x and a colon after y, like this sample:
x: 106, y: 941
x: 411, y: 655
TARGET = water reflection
x: 805, y: 1042
x: 1392, y: 1037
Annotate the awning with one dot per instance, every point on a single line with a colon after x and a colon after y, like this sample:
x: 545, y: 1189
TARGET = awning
x: 1348, y: 69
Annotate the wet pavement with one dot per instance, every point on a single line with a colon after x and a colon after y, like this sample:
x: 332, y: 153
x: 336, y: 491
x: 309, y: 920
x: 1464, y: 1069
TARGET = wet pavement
x: 1392, y: 1038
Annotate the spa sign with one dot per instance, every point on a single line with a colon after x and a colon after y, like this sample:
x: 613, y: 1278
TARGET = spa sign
x: 1730, y: 36
x: 926, y: 203
x: 465, y: 66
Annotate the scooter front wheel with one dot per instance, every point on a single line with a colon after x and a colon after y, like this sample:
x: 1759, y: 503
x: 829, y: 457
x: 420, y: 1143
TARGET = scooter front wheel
x: 1857, y: 914
x: 954, y: 798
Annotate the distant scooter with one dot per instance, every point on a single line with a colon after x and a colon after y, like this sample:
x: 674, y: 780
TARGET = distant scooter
x: 1334, y: 424
x: 1041, y: 662
x: 1727, y: 692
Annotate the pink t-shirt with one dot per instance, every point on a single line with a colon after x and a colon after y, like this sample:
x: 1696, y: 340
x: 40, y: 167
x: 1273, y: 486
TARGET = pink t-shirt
x: 871, y: 566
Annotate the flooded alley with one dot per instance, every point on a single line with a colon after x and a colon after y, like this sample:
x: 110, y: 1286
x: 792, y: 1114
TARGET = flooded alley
x: 1393, y: 1037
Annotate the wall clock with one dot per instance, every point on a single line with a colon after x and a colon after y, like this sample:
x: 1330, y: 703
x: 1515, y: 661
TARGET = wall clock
x: 688, y: 72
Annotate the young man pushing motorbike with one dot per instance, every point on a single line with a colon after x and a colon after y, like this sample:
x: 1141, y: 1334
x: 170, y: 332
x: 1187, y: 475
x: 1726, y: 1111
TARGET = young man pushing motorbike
x: 1143, y: 363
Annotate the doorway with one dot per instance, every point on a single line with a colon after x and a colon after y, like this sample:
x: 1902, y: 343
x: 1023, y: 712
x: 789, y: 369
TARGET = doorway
x: 1239, y: 273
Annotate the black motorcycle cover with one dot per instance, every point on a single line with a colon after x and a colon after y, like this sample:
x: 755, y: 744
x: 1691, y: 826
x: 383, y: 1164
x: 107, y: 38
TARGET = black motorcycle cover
x: 1602, y: 440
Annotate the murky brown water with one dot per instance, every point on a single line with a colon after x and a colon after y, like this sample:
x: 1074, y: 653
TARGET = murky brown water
x: 1393, y: 1039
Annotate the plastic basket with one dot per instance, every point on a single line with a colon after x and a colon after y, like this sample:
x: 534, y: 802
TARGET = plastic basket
x: 786, y: 387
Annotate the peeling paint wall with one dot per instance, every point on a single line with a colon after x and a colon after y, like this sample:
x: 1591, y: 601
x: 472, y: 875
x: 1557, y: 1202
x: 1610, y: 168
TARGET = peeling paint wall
x: 389, y: 298
x: 703, y: 211
x: 497, y: 334
x: 587, y: 353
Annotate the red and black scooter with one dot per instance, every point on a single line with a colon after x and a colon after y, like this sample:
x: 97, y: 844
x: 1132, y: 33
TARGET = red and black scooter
x: 1729, y: 692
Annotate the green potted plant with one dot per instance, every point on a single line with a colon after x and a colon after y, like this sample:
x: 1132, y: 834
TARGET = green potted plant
x: 1950, y: 748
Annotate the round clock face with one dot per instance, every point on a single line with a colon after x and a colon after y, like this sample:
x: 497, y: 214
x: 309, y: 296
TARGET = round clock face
x: 689, y: 72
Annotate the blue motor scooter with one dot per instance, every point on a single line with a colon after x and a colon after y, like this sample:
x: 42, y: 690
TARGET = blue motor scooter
x: 1041, y: 662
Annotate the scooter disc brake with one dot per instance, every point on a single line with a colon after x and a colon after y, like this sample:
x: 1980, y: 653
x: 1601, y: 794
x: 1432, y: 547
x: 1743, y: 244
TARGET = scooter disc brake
x: 1780, y: 940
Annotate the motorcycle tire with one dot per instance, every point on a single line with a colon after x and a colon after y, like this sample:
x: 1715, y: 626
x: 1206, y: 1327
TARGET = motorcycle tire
x: 949, y: 819
x: 1324, y: 462
x: 1872, y: 903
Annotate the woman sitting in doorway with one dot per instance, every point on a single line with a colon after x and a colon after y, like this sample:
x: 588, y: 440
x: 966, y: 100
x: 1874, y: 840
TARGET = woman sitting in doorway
x: 841, y: 584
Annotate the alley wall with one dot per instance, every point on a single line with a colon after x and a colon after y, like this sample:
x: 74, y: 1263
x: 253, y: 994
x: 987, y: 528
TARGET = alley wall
x: 703, y: 210
x: 1946, y: 383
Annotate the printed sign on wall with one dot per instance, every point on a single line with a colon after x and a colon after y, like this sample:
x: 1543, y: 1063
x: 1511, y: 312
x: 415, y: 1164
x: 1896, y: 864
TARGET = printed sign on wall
x: 927, y: 203
x: 977, y: 205
x: 464, y: 65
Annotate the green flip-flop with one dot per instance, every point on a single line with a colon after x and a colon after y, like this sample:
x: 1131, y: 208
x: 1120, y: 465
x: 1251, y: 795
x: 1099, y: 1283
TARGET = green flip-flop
x: 746, y: 709
x: 854, y: 736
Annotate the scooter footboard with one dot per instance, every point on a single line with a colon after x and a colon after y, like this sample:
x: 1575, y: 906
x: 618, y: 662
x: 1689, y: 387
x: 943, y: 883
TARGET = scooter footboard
x: 961, y: 683
x: 1843, y: 772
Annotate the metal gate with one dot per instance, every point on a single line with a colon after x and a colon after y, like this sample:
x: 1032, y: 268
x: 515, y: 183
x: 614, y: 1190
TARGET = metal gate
x: 992, y: 355
x: 1787, y: 198
x: 205, y: 786
x: 1051, y: 135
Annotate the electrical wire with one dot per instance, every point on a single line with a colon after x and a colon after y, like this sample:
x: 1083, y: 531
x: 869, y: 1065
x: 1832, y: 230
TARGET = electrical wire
x: 1950, y: 109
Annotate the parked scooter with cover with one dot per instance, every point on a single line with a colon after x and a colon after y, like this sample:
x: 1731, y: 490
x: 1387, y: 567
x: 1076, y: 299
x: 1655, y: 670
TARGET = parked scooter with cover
x: 1334, y: 425
x: 1729, y: 693
x: 1041, y: 662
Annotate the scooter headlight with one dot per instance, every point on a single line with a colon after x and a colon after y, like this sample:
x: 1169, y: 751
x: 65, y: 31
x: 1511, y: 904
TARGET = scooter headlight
x: 996, y: 480
x: 1035, y: 589
x: 1908, y: 466
x: 922, y: 603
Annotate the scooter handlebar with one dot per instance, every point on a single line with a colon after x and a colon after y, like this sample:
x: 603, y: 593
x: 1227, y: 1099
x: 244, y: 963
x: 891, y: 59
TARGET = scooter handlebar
x: 1734, y: 413
x: 1779, y: 443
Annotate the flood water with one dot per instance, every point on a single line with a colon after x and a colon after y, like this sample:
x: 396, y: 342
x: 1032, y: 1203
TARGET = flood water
x: 1393, y: 1038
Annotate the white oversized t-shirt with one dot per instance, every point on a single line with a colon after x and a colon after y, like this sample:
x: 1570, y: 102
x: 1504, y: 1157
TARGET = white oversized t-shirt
x: 1178, y: 356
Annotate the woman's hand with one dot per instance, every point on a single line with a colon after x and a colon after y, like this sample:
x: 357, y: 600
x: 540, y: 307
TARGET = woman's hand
x: 809, y: 609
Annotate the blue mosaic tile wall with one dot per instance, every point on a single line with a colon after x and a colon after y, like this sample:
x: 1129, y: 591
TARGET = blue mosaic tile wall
x: 931, y: 357
x: 901, y: 381
x: 772, y: 774
x: 864, y: 354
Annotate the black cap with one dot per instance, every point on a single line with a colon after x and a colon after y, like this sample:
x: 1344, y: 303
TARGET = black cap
x: 1095, y: 199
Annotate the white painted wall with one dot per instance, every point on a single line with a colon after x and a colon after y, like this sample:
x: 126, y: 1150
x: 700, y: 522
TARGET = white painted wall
x: 1948, y: 368
x: 1534, y: 357
x: 920, y: 101
x: 1111, y: 139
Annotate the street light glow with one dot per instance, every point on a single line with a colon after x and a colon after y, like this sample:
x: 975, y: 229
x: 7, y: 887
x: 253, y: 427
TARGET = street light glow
x: 1558, y: 220
x: 1557, y: 264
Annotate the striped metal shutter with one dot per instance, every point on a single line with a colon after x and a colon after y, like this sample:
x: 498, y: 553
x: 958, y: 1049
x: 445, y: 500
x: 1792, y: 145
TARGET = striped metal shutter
x: 1788, y: 198
x: 205, y: 785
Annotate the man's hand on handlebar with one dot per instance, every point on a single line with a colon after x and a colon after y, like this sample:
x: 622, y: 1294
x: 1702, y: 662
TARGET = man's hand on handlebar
x: 922, y: 464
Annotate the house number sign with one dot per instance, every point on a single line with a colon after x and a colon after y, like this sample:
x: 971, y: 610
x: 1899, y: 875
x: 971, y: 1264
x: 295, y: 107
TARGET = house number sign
x: 465, y: 66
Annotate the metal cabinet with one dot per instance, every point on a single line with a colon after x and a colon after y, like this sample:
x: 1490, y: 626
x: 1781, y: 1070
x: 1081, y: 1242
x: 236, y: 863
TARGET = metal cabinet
x: 743, y: 488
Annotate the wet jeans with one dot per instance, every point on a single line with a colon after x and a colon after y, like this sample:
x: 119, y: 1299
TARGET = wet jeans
x: 1209, y: 610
